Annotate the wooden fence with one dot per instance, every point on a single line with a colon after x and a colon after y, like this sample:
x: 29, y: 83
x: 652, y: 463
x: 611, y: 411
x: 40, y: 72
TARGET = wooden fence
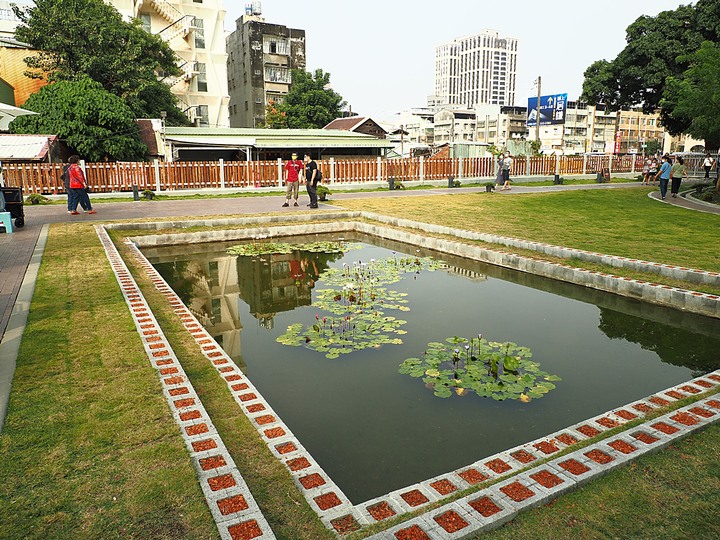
x: 110, y: 177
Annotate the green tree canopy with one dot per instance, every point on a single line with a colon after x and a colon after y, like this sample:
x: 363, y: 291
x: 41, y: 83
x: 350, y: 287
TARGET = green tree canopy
x: 90, y: 119
x: 311, y: 103
x: 89, y: 38
x: 657, y: 49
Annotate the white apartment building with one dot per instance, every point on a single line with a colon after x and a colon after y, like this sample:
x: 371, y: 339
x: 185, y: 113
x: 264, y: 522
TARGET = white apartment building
x: 194, y: 30
x: 476, y: 70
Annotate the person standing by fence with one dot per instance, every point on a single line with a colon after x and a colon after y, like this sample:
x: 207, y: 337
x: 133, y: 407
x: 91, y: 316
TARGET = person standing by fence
x: 506, y: 168
x: 677, y: 172
x: 312, y: 177
x: 292, y: 179
x: 78, y: 186
x: 708, y: 165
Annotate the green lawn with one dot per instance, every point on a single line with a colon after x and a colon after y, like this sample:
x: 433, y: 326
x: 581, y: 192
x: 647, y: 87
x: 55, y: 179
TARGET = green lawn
x: 90, y: 449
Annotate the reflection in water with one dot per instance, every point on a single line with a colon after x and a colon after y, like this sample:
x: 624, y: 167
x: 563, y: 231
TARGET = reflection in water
x: 674, y: 346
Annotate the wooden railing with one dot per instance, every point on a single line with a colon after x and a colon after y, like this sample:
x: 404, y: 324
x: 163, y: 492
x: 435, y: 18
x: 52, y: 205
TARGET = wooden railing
x: 110, y: 177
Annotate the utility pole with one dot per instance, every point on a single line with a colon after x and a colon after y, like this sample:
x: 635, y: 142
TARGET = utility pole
x: 537, y: 119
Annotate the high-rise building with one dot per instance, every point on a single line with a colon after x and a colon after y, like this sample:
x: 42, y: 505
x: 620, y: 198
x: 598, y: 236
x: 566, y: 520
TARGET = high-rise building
x: 261, y: 57
x: 194, y: 31
x: 476, y: 70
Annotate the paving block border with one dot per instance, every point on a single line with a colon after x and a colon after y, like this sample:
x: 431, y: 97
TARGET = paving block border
x: 226, y: 493
x: 510, y: 495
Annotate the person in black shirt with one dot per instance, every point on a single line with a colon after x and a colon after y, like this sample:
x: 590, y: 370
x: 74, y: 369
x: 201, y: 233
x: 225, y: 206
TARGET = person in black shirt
x: 312, y: 177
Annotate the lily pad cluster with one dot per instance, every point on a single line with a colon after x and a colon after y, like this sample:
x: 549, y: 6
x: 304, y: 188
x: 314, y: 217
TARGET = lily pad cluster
x: 356, y: 307
x: 489, y: 369
x: 279, y: 248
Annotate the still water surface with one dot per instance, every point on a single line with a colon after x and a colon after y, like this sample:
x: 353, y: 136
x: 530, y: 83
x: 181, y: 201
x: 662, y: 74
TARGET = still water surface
x: 374, y: 430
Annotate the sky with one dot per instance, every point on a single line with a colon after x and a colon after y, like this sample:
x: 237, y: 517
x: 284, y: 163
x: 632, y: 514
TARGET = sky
x: 381, y: 54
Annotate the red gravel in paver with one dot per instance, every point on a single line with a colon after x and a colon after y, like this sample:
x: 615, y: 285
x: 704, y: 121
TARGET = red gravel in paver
x: 168, y: 371
x: 232, y: 505
x: 160, y: 354
x: 182, y: 403
x: 473, y: 476
x: 298, y: 464
x: 221, y: 482
x: 702, y: 412
x: 232, y: 378
x: 599, y: 457
x: 266, y: 419
x: 197, y: 429
x: 171, y: 381
x: 204, y: 446
x: 547, y: 479
x: 627, y: 415
x: 190, y: 415
x: 715, y: 404
x: 156, y: 346
x: 667, y: 429
x: 345, y: 524
x: 517, y: 492
x: 178, y: 391
x: 414, y: 498
x: 546, y: 447
x: 248, y: 397
x: 575, y: 467
x: 685, y: 418
x: 714, y: 377
x: 645, y: 437
x: 690, y: 389
x: 567, y: 440
x: 286, y: 448
x: 153, y: 339
x: 485, y: 506
x: 226, y: 369
x: 523, y: 457
x: 451, y: 521
x: 380, y: 511
x: 164, y: 362
x: 327, y: 501
x: 498, y: 466
x: 657, y: 400
x: 412, y: 533
x: 255, y: 407
x: 622, y: 446
x: 674, y: 394
x: 239, y: 387
x: 704, y: 383
x: 220, y: 361
x: 443, y: 487
x: 245, y: 531
x: 274, y: 433
x: 214, y: 354
x: 642, y: 407
x: 312, y: 481
x: 589, y: 431
x: 215, y: 462
x: 608, y: 422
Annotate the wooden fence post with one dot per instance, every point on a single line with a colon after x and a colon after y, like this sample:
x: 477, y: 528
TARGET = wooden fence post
x: 157, y: 175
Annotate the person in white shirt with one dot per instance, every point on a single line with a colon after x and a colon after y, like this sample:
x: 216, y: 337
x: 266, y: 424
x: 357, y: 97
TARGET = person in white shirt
x: 708, y: 164
x: 506, y: 167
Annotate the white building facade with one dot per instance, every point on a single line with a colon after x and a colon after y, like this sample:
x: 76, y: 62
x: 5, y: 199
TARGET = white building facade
x: 476, y: 70
x: 194, y: 30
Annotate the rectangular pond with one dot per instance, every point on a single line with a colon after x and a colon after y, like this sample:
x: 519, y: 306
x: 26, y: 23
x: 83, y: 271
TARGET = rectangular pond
x: 374, y: 429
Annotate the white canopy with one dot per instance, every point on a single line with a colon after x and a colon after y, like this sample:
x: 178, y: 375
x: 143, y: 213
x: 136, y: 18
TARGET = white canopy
x: 8, y: 113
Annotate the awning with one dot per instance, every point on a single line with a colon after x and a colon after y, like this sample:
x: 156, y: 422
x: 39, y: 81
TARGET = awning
x: 25, y: 147
x: 8, y: 113
x: 215, y: 142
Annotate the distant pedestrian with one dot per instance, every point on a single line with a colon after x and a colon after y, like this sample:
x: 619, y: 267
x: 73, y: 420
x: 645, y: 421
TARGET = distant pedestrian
x: 646, y: 172
x: 507, y: 163
x: 312, y: 177
x: 677, y: 172
x: 292, y: 179
x: 653, y: 170
x: 66, y: 184
x: 664, y: 175
x: 708, y: 165
x: 499, y: 174
x: 78, y: 188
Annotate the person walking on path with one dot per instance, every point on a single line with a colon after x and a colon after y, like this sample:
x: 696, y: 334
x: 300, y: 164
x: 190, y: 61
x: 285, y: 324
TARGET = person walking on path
x: 664, y: 175
x: 708, y: 165
x: 292, y: 179
x: 78, y: 185
x: 66, y: 184
x: 312, y: 177
x: 677, y: 172
x: 506, y: 167
x: 499, y: 175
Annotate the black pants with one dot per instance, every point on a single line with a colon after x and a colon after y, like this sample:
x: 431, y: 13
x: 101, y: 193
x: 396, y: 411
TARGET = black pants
x: 707, y: 171
x: 675, y: 185
x: 312, y: 193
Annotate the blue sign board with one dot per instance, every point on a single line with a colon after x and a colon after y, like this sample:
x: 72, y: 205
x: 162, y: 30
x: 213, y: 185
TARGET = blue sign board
x: 552, y: 110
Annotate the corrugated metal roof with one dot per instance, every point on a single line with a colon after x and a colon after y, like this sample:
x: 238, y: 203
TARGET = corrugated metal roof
x: 25, y: 147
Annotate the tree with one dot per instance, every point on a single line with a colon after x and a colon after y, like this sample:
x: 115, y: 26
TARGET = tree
x: 694, y: 98
x: 274, y: 118
x: 311, y: 103
x: 94, y: 122
x: 656, y: 50
x: 88, y: 38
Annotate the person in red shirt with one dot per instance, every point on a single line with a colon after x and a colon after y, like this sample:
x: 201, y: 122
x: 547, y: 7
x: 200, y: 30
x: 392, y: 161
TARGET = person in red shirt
x: 293, y: 168
x: 77, y: 188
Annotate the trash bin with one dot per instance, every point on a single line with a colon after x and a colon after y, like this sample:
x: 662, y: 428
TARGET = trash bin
x: 451, y: 181
x: 391, y: 184
x: 14, y: 204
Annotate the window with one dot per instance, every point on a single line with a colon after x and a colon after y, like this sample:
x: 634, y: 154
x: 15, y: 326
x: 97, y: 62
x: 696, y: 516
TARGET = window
x: 203, y: 114
x: 277, y: 74
x: 199, y: 25
x: 198, y: 1
x: 145, y: 22
x: 201, y: 78
x: 216, y: 308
